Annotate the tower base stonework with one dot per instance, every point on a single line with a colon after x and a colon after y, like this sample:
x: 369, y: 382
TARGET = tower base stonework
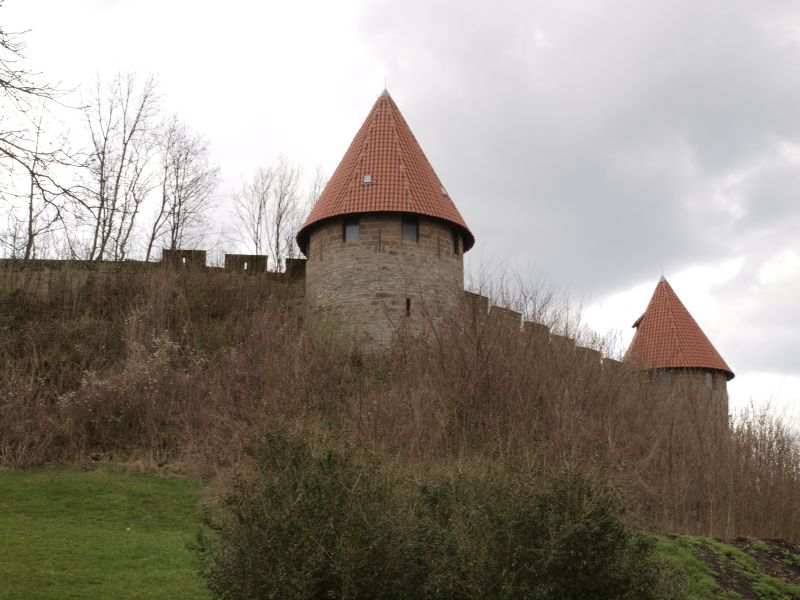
x: 381, y: 285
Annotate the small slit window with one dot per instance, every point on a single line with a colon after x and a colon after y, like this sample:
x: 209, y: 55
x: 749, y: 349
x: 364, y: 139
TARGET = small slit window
x: 454, y: 242
x: 408, y: 307
x: 710, y: 380
x: 410, y: 229
x: 350, y: 230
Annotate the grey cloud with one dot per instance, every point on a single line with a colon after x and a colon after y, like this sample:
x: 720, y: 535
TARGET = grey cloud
x: 601, y: 140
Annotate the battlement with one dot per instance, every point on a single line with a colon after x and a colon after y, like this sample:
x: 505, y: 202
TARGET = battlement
x: 191, y: 259
x: 538, y: 335
x: 46, y: 279
x: 246, y: 263
x: 251, y: 264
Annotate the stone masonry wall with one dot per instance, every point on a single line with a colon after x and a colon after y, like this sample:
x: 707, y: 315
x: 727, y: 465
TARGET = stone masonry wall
x: 382, y: 286
x: 712, y: 402
x: 45, y: 279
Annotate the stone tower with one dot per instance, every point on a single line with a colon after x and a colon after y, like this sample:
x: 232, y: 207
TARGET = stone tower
x: 384, y: 242
x: 669, y: 341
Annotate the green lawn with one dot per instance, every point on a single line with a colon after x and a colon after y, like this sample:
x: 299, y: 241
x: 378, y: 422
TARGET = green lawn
x: 69, y: 534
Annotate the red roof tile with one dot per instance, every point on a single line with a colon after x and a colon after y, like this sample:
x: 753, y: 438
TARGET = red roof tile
x: 668, y: 337
x: 402, y: 178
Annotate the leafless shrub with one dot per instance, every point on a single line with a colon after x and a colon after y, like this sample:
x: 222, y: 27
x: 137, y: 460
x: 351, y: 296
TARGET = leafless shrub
x: 184, y: 367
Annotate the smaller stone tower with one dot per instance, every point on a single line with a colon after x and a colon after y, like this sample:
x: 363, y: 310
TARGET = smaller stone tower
x: 384, y: 242
x: 669, y: 341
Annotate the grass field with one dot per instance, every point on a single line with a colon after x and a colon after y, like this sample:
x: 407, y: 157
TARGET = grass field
x: 72, y: 534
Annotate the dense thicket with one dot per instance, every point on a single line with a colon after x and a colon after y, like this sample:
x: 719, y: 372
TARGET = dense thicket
x: 183, y: 368
x: 323, y: 520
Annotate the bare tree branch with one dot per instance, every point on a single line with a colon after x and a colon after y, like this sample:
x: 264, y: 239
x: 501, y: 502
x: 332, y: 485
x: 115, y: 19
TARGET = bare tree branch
x: 28, y: 158
x: 188, y: 181
x: 251, y: 204
x: 270, y: 208
x: 120, y: 122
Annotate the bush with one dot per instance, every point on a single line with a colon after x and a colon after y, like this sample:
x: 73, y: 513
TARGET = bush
x: 337, y: 523
x: 309, y: 525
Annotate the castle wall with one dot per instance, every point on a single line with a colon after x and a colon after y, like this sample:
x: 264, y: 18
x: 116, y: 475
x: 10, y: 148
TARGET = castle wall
x: 246, y: 263
x: 194, y: 259
x: 382, y: 286
x: 69, y: 279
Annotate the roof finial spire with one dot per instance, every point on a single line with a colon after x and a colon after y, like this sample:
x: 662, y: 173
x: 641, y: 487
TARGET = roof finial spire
x: 385, y: 91
x: 662, y: 279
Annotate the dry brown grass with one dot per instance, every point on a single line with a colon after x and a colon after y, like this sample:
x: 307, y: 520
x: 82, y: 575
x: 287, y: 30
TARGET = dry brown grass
x: 180, y: 369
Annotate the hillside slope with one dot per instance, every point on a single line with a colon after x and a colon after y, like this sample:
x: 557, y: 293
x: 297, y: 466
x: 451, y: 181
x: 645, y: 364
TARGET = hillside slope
x: 706, y: 568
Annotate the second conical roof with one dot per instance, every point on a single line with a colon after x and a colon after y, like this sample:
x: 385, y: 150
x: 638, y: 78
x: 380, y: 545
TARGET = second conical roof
x: 668, y: 337
x: 400, y: 177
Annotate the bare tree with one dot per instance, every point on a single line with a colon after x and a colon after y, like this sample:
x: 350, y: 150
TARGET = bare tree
x: 251, y: 204
x: 30, y: 161
x: 19, y: 94
x: 44, y: 201
x: 285, y: 212
x: 270, y: 208
x: 120, y: 121
x: 187, y: 180
x: 315, y: 188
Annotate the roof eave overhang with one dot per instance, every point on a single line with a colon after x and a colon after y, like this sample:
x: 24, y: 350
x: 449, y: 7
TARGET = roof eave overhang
x: 305, y: 231
x: 728, y: 373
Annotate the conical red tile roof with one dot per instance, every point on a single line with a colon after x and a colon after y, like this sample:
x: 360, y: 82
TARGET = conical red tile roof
x: 668, y: 337
x: 402, y: 178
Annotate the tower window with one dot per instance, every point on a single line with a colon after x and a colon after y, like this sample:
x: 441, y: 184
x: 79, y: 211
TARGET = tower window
x: 408, y: 307
x: 410, y: 229
x: 710, y: 380
x: 350, y: 230
x: 454, y: 242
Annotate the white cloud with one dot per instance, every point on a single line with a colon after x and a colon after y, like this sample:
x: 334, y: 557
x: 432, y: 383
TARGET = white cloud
x: 778, y: 393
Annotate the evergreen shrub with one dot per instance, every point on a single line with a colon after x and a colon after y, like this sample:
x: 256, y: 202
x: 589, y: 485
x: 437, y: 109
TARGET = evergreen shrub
x: 335, y: 522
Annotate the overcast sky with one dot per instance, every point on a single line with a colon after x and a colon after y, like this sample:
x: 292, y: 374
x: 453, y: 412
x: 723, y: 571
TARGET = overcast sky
x: 594, y: 143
